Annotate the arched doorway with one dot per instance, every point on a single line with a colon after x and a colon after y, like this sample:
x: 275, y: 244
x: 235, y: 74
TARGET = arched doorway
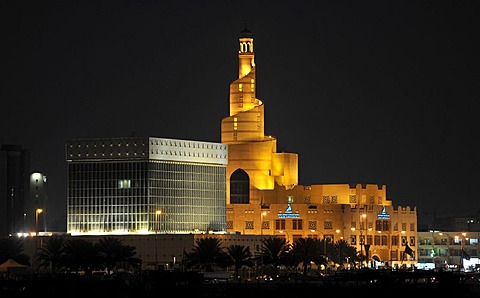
x: 239, y: 187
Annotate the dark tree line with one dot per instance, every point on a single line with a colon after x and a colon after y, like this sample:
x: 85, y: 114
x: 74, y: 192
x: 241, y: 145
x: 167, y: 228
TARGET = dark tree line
x: 58, y: 254
x: 61, y: 255
x: 275, y: 253
x: 75, y: 255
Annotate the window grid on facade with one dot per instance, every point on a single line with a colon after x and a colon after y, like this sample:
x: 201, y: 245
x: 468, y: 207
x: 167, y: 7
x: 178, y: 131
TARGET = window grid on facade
x: 123, y: 196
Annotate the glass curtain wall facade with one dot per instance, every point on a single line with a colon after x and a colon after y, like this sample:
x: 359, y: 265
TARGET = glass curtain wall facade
x: 138, y: 195
x: 188, y: 197
x: 107, y: 197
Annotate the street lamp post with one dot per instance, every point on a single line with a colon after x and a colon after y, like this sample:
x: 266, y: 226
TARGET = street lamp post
x: 261, y: 221
x: 325, y: 246
x: 461, y: 239
x: 325, y: 254
x: 391, y: 235
x: 24, y: 222
x: 363, y: 239
x: 37, y: 213
x: 287, y: 235
x: 157, y: 214
x: 432, y: 254
x: 448, y: 247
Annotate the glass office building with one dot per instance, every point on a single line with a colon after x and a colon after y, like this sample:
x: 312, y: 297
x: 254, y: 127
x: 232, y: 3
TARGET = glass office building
x: 145, y: 186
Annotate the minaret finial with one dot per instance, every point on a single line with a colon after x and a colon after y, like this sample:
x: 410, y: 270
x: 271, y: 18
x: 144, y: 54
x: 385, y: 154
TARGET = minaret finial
x: 245, y: 31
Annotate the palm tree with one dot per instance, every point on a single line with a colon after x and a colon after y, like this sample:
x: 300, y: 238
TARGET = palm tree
x: 80, y: 255
x: 342, y: 251
x: 206, y: 254
x: 307, y: 250
x: 112, y: 251
x: 274, y: 252
x: 241, y: 256
x: 51, y: 254
x: 12, y: 248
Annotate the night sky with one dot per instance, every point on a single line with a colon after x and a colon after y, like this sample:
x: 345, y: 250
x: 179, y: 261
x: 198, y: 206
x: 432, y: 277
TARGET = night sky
x: 377, y: 92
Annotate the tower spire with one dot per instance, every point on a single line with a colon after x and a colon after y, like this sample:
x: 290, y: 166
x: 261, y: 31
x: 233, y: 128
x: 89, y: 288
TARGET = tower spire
x: 245, y: 32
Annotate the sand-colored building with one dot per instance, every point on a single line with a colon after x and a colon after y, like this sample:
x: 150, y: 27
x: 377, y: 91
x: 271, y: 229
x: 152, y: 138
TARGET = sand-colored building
x: 264, y: 197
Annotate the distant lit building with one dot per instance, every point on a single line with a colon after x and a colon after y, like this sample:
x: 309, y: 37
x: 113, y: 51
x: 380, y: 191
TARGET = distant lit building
x: 467, y: 223
x: 449, y: 250
x: 145, y: 185
x: 264, y: 198
x: 38, y: 201
x: 14, y: 171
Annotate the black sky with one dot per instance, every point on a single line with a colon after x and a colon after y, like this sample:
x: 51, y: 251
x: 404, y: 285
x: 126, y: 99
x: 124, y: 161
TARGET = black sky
x: 364, y: 91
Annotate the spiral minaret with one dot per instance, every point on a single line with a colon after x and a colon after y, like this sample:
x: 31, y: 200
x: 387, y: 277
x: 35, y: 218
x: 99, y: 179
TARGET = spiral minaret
x: 246, y: 111
x: 253, y: 156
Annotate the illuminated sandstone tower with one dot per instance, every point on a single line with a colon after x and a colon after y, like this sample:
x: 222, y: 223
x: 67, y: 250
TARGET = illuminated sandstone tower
x: 253, y: 161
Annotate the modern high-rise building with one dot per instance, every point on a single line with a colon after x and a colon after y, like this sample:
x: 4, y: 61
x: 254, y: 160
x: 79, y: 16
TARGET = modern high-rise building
x: 145, y: 185
x: 264, y: 197
x: 14, y: 174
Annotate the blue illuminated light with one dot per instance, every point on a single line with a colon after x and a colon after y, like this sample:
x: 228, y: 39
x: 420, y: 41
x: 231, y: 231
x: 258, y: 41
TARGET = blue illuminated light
x: 383, y: 214
x: 288, y: 213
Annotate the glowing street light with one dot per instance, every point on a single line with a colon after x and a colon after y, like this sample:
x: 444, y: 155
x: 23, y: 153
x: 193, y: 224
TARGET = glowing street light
x: 287, y: 235
x: 363, y: 239
x: 37, y: 213
x: 261, y: 221
x: 157, y: 214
